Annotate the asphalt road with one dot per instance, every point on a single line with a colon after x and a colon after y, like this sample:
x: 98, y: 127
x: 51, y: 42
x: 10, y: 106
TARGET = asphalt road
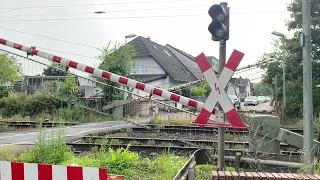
x: 263, y: 106
x: 72, y: 132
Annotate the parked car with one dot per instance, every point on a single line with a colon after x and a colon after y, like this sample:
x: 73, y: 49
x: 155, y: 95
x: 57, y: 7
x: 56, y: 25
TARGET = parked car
x: 235, y: 100
x: 268, y: 99
x: 251, y: 100
x: 263, y: 99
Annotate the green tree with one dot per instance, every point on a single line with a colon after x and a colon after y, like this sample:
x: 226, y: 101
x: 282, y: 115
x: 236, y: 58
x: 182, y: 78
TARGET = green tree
x: 290, y: 51
x: 53, y: 71
x: 118, y: 60
x: 262, y: 89
x: 186, y: 92
x: 10, y: 70
x: 68, y: 89
x: 198, y: 91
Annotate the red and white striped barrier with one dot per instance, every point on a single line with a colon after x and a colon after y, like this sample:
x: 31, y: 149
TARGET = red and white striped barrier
x: 107, y: 75
x: 30, y: 171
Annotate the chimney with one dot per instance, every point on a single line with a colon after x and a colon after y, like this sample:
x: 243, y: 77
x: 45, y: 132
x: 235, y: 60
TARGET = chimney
x: 149, y: 38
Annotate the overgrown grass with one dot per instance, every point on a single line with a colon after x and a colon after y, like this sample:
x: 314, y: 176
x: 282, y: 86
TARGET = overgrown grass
x: 298, y: 123
x: 40, y: 106
x: 306, y: 166
x: 161, y: 122
x: 50, y: 148
x: 77, y: 115
x: 231, y: 137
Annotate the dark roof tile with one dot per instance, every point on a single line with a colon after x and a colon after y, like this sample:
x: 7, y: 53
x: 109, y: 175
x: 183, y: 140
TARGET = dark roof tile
x: 145, y: 78
x: 165, y: 58
x: 187, y: 60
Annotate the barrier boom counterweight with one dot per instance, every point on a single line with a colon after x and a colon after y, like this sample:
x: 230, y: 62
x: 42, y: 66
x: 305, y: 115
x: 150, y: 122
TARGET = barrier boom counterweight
x: 113, y: 77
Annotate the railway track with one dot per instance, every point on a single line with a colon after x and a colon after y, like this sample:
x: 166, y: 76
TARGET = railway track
x: 192, y: 130
x: 186, y: 150
x: 154, y: 128
x: 209, y: 129
x: 175, y: 142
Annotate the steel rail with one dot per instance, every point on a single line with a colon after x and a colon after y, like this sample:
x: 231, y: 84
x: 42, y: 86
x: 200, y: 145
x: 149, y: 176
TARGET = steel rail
x: 174, y: 142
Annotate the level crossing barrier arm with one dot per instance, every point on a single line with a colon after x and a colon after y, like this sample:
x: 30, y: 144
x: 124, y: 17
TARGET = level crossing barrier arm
x: 106, y: 75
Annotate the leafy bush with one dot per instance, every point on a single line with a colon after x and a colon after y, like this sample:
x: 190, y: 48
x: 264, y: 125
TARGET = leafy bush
x: 24, y: 104
x: 14, y: 104
x: 42, y: 106
x: 40, y: 102
x: 48, y: 150
x: 4, y: 91
x: 294, y: 90
x: 198, y: 91
x: 7, y: 154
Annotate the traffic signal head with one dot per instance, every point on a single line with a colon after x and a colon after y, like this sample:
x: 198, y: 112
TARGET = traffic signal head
x: 219, y: 27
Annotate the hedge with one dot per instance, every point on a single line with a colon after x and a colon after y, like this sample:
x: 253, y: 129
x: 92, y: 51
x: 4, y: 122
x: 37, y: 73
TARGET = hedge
x: 29, y: 104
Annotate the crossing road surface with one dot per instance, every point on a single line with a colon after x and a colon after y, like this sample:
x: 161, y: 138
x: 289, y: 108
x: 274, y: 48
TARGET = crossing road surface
x: 71, y: 132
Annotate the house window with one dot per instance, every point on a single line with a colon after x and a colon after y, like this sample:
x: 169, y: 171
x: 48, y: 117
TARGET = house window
x: 140, y: 68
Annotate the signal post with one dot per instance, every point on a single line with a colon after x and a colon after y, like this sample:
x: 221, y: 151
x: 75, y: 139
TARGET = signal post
x: 219, y: 29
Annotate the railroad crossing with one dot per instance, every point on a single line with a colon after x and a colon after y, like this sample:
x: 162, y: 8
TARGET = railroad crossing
x: 271, y: 128
x: 267, y: 127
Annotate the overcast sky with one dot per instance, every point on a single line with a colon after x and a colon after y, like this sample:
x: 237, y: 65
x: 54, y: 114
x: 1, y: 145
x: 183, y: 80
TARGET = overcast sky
x: 251, y: 24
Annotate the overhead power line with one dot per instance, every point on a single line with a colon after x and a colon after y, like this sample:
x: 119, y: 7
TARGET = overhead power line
x: 90, y: 57
x: 256, y: 78
x: 120, y: 17
x: 55, y: 39
x: 126, y: 10
x: 104, y: 12
x: 7, y: 11
x: 113, y: 3
x: 98, y: 4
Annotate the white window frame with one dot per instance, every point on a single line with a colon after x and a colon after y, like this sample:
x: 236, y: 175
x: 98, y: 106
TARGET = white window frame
x: 140, y: 68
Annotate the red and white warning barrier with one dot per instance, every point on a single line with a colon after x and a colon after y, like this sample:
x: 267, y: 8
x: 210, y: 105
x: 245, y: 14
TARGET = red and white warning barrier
x: 30, y: 171
x: 217, y: 84
x: 107, y: 75
x: 218, y: 93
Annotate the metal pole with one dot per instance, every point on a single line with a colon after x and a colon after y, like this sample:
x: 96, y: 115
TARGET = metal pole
x: 307, y: 86
x: 284, y: 85
x: 221, y: 131
x: 276, y: 91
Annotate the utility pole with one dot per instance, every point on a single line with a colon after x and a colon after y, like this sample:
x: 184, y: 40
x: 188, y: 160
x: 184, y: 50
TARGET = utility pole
x: 275, y: 82
x: 284, y: 86
x: 283, y: 76
x: 307, y: 86
x: 219, y: 29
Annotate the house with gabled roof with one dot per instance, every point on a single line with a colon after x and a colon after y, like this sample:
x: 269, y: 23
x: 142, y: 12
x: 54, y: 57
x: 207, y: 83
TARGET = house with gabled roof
x: 243, y: 87
x: 162, y: 66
